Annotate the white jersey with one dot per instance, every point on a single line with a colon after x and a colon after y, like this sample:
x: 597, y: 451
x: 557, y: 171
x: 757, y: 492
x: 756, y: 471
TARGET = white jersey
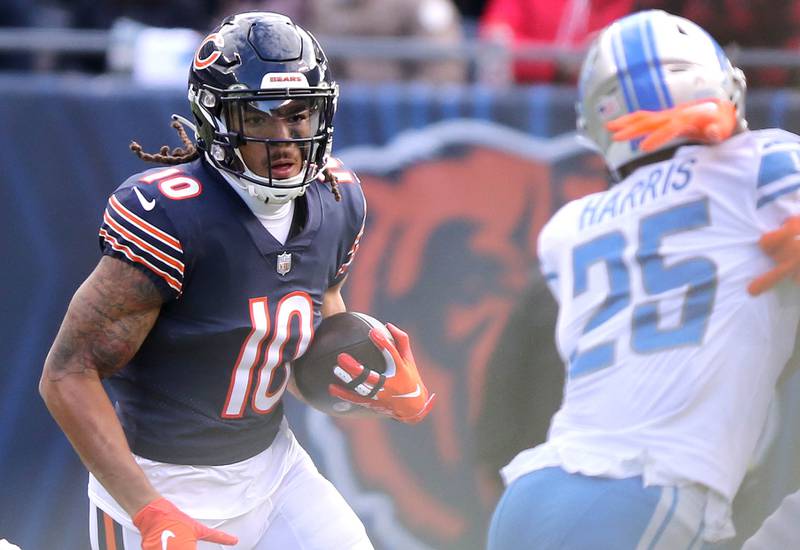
x: 671, y: 364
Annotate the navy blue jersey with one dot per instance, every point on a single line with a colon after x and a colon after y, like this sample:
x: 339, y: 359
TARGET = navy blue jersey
x: 205, y: 387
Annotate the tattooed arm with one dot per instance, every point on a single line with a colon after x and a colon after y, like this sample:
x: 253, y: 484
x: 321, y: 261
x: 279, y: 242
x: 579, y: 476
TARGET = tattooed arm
x: 107, y: 320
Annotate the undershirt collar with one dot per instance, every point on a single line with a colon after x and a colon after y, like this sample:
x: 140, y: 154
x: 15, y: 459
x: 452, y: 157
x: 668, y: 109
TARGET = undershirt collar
x: 276, y: 218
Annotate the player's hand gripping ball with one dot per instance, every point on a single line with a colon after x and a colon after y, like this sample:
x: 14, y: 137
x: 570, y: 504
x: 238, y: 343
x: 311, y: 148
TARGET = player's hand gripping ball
x: 346, y: 332
x: 367, y: 367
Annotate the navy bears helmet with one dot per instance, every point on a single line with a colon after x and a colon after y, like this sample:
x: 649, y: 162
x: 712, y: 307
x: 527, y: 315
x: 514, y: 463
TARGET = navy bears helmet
x: 254, y: 67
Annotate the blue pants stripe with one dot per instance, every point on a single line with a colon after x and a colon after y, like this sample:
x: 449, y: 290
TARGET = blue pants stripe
x: 550, y: 509
x: 667, y: 519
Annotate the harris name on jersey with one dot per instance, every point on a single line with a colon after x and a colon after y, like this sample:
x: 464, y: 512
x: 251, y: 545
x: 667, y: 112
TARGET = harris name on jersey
x: 648, y: 185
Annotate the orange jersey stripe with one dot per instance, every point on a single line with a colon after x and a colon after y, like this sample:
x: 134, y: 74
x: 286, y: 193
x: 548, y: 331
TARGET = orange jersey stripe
x: 143, y: 245
x: 111, y: 539
x: 148, y: 228
x: 132, y: 256
x: 351, y: 254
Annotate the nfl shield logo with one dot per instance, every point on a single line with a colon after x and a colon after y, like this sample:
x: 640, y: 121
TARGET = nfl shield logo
x: 284, y: 263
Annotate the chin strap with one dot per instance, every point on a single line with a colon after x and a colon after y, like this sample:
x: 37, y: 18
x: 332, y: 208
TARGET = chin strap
x: 254, y: 190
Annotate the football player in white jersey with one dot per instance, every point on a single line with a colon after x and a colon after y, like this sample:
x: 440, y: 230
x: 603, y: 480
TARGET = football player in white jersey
x: 673, y: 338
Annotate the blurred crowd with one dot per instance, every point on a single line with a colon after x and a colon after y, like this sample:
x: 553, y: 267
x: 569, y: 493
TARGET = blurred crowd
x: 521, y: 29
x: 570, y: 24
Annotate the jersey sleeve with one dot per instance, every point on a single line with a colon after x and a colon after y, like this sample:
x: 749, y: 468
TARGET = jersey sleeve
x: 356, y: 204
x: 777, y: 191
x: 137, y: 230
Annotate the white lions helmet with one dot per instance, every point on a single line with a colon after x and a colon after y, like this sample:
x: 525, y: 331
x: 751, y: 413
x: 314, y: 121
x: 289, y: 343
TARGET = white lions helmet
x: 652, y: 61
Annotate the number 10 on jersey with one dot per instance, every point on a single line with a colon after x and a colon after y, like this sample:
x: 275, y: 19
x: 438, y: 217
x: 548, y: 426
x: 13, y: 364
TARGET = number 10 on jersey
x: 264, y: 375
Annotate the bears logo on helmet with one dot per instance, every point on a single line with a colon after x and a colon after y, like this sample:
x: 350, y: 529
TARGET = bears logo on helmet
x: 203, y: 62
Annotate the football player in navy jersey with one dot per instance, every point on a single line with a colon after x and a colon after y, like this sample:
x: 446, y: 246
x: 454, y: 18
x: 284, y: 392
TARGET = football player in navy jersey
x: 215, y: 271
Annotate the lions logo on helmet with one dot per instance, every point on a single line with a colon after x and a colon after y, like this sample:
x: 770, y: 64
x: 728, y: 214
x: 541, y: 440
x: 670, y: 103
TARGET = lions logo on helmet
x: 650, y: 60
x: 263, y: 98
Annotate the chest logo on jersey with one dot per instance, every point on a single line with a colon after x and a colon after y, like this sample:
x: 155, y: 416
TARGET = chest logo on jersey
x: 284, y: 263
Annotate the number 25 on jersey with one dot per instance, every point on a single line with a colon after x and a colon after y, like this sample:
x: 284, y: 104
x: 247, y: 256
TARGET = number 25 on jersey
x: 698, y: 275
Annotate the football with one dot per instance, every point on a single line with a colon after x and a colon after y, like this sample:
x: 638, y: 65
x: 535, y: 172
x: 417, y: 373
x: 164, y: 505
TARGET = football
x: 346, y: 332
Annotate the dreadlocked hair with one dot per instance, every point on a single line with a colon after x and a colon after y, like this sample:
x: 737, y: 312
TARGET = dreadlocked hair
x: 189, y: 152
x: 178, y: 155
x: 334, y: 183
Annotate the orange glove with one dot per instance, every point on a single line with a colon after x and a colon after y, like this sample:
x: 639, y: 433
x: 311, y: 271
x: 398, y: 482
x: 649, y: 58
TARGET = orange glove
x: 401, y: 395
x: 164, y: 527
x: 783, y: 246
x: 704, y: 120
